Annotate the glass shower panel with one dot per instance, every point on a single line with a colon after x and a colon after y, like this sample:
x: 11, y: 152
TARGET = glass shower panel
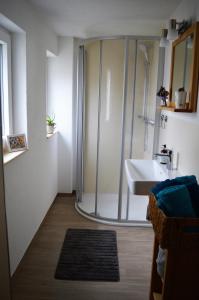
x: 110, y: 127
x: 138, y: 124
x: 131, y: 64
x: 145, y: 99
x: 144, y: 115
x: 91, y: 99
x: 153, y: 51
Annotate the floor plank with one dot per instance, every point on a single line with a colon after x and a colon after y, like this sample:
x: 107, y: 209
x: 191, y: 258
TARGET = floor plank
x: 34, y: 280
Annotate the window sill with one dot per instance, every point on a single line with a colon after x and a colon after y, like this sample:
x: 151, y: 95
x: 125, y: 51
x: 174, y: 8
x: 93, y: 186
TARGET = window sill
x: 49, y: 135
x: 9, y: 156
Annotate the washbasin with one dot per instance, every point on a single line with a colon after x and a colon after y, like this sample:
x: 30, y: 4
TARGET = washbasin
x: 142, y: 175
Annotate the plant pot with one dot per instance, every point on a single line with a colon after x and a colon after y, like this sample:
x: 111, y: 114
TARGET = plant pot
x: 180, y: 99
x: 50, y: 129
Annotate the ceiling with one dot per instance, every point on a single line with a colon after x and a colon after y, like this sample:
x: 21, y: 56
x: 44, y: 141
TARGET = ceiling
x: 88, y: 18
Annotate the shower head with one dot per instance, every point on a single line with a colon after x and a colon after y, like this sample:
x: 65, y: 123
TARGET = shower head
x: 143, y: 48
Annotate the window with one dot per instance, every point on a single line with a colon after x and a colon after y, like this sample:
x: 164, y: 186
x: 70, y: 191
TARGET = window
x: 51, y: 93
x: 50, y: 105
x: 5, y: 82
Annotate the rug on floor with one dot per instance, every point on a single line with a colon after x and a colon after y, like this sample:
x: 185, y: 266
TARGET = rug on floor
x: 90, y: 255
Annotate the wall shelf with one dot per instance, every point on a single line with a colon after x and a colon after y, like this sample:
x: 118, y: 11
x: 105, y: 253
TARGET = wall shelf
x: 171, y: 108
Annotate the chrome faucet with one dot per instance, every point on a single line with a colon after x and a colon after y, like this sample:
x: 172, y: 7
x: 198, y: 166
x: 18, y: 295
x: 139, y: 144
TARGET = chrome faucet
x: 169, y: 157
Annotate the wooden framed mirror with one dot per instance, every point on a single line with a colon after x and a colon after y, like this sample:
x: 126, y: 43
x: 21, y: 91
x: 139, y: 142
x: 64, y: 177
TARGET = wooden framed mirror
x: 185, y: 71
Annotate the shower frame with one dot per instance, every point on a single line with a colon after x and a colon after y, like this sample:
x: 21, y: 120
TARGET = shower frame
x: 80, y: 123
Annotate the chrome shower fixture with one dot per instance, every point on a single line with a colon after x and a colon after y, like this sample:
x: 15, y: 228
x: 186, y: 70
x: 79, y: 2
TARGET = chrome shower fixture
x: 174, y: 29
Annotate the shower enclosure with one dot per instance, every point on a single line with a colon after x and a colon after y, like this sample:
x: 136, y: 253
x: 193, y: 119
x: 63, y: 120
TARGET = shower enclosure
x: 117, y: 119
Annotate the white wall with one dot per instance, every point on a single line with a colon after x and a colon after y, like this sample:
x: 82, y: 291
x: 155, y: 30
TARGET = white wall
x: 60, y: 74
x: 181, y: 133
x: 75, y: 95
x: 31, y: 179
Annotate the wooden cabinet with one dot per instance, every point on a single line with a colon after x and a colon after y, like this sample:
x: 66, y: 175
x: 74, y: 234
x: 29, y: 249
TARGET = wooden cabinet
x: 180, y: 238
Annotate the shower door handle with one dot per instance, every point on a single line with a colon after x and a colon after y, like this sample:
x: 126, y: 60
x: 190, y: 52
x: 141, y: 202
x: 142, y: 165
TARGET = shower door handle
x: 146, y: 120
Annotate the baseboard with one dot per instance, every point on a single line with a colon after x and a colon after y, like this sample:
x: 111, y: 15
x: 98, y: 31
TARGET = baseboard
x: 35, y: 235
x: 67, y: 194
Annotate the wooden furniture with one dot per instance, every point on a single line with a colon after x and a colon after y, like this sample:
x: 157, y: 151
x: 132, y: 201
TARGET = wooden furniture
x: 185, y: 69
x: 181, y: 241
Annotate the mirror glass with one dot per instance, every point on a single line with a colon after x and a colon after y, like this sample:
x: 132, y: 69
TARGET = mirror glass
x: 183, y: 60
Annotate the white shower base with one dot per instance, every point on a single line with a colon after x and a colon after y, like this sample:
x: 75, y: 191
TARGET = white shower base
x: 108, y: 207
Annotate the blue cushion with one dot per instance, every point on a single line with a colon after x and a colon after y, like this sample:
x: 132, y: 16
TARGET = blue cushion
x: 177, y: 181
x: 185, y: 179
x: 160, y: 186
x: 175, y: 201
x: 193, y: 189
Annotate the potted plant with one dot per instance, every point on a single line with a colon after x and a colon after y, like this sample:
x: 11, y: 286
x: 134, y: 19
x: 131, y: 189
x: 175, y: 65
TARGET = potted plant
x: 50, y: 124
x: 163, y: 94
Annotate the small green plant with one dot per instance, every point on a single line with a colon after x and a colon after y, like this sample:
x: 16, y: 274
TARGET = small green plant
x: 50, y: 121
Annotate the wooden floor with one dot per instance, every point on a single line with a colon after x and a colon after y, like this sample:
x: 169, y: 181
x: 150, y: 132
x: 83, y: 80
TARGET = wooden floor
x: 34, y: 280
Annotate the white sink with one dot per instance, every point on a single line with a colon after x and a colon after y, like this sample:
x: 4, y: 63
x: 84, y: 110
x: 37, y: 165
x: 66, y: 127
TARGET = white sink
x: 142, y: 175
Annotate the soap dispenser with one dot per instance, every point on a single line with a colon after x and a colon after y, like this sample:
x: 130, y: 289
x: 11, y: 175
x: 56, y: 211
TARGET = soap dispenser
x: 164, y: 150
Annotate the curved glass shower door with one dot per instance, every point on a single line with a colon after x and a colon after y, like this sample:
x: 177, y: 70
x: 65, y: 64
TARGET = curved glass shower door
x: 117, y: 111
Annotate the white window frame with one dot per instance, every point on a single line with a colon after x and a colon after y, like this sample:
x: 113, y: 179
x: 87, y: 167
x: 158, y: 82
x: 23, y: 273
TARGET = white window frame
x: 7, y: 122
